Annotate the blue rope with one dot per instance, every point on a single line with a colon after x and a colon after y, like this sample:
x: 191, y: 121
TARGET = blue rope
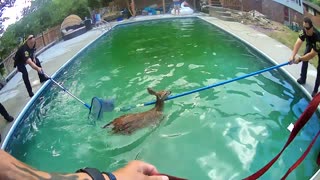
x: 207, y: 87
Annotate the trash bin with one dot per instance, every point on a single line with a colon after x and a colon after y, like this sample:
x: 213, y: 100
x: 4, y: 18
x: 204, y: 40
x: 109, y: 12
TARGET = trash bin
x: 88, y: 24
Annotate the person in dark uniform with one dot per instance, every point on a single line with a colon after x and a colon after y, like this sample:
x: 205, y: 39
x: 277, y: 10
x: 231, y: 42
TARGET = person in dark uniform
x: 312, y: 37
x: 25, y: 55
x: 5, y: 115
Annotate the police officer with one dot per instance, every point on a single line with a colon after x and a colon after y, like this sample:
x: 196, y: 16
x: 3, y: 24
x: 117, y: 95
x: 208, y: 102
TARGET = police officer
x: 312, y: 37
x: 25, y: 55
x: 5, y: 115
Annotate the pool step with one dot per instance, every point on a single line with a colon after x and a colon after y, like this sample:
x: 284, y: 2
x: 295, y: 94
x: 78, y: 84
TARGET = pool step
x: 221, y: 13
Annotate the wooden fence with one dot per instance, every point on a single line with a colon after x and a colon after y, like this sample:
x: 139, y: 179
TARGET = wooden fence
x: 231, y: 4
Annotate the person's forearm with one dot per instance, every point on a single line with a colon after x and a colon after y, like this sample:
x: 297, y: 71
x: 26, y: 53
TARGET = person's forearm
x: 33, y: 65
x: 296, y: 48
x: 307, y: 57
x: 11, y: 168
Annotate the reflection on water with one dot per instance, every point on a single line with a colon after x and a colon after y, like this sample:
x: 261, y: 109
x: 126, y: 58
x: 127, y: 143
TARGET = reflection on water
x: 226, y: 132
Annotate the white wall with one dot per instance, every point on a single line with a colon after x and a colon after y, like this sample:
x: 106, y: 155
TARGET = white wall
x: 293, y: 4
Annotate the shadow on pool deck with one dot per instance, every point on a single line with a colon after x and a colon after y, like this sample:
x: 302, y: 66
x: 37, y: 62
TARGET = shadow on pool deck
x: 14, y: 95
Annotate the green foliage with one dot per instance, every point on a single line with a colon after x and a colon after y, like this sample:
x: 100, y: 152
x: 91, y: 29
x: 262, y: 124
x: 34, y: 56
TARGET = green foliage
x: 7, y: 44
x: 42, y: 15
x: 317, y: 2
x: 93, y: 4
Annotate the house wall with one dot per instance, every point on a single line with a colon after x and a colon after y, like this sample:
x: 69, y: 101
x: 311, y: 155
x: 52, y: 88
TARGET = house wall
x: 280, y: 13
x: 144, y: 3
x: 141, y: 4
x: 315, y: 19
x: 249, y: 5
x: 244, y: 5
x: 232, y: 4
x: 273, y: 10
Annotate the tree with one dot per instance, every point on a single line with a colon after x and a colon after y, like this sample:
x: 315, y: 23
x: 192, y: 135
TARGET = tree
x: 42, y: 15
x: 94, y: 4
x: 317, y: 2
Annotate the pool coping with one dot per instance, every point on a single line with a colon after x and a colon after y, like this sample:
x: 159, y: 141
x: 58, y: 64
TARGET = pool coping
x: 258, y: 41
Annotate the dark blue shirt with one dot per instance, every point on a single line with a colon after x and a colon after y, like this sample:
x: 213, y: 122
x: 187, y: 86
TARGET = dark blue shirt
x: 24, y: 53
x: 312, y: 41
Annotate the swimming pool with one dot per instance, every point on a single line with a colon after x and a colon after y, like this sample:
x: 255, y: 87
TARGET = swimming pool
x: 211, y: 134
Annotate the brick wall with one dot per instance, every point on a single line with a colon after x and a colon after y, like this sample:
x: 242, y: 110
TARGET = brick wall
x: 271, y: 9
x: 249, y: 5
x: 245, y: 5
x: 232, y: 4
x: 276, y: 11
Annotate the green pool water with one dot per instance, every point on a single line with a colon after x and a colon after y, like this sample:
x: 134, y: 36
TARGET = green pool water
x: 227, y: 132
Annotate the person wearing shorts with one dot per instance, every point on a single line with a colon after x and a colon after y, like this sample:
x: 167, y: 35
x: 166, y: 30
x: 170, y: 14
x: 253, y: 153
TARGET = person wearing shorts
x: 176, y: 6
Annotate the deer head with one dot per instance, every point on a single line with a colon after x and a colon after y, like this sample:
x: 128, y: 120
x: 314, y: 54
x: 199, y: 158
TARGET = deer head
x: 161, y: 96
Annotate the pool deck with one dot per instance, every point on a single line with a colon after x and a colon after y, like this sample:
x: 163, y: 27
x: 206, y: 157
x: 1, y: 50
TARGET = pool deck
x: 14, y: 95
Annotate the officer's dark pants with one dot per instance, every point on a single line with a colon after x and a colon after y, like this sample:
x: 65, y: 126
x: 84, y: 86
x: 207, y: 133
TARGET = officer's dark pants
x: 304, y: 69
x: 22, y: 68
x: 4, y: 112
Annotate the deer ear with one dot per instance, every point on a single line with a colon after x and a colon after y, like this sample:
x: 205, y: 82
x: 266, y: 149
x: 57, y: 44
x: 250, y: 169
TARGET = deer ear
x: 150, y: 91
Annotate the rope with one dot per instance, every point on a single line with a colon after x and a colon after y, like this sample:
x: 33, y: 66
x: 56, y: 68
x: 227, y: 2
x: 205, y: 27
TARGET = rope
x: 303, y: 119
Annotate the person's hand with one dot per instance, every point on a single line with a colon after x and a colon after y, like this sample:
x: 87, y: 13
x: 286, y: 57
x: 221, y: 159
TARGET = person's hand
x: 297, y: 60
x: 138, y: 170
x: 294, y: 60
x: 291, y: 60
x: 40, y: 70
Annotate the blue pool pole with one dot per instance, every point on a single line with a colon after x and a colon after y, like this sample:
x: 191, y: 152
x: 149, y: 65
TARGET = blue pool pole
x: 65, y: 90
x: 207, y: 87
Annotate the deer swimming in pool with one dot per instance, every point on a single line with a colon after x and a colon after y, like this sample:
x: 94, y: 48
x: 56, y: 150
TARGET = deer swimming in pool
x: 127, y: 124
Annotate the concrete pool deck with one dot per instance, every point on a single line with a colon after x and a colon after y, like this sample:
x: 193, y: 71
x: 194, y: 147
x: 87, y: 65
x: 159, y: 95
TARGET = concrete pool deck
x: 14, y: 95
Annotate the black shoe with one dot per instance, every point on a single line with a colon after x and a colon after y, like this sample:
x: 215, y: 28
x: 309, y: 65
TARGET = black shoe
x: 9, y: 118
x: 314, y: 93
x: 300, y: 81
x: 44, y: 80
x: 31, y: 94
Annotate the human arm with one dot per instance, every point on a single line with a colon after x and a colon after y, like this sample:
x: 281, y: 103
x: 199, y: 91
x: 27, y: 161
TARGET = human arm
x: 11, y: 168
x: 296, y: 48
x: 306, y: 57
x: 139, y: 170
x: 33, y: 65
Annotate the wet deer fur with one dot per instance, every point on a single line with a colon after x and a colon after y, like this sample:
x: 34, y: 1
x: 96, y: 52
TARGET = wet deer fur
x: 129, y: 123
